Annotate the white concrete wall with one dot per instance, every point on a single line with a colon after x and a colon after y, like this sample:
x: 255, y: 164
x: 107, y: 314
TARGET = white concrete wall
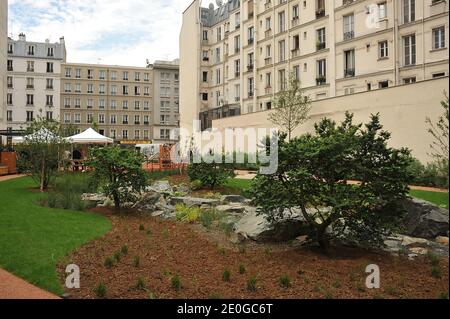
x: 403, y: 111
x: 3, y: 58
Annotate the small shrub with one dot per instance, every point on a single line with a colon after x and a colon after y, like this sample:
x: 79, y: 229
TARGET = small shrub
x: 124, y: 250
x: 242, y: 269
x: 216, y: 296
x: 151, y: 296
x: 226, y: 227
x: 435, y: 272
x: 100, y: 290
x: 165, y: 233
x: 149, y: 232
x: 221, y: 251
x: 176, y: 282
x: 336, y: 284
x: 136, y: 261
x: 328, y: 295
x: 141, y: 227
x: 196, y: 184
x: 226, y: 275
x: 212, y: 195
x: 109, y: 262
x: 285, y: 282
x: 210, y: 175
x: 117, y: 256
x: 242, y: 249
x: 434, y: 260
x: 140, y: 284
x: 443, y: 295
x: 251, y: 284
x: 187, y: 214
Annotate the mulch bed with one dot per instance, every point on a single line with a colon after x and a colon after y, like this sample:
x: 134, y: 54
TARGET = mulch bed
x: 199, y: 257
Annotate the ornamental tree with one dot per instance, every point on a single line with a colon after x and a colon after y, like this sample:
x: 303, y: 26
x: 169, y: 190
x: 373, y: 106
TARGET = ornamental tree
x: 314, y: 174
x: 120, y: 173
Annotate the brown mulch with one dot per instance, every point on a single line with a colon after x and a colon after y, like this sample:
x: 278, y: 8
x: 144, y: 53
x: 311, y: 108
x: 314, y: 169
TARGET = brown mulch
x: 199, y: 257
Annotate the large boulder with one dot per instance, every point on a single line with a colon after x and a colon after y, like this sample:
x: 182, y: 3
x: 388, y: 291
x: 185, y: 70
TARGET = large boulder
x: 161, y: 187
x: 256, y: 227
x: 425, y: 220
x: 227, y: 199
x: 231, y: 208
x: 148, y: 201
x: 194, y: 201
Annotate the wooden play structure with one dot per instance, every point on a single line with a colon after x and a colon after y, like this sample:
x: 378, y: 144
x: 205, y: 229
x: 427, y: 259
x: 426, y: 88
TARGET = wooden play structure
x: 8, y: 163
x: 160, y: 159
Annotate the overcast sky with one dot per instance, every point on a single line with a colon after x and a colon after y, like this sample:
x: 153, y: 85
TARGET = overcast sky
x: 123, y: 32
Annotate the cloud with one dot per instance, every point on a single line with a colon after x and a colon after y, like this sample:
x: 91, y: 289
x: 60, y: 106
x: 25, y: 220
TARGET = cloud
x: 106, y: 31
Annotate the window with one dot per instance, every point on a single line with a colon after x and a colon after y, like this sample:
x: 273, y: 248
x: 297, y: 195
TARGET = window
x: 281, y: 22
x: 165, y: 106
x: 146, y: 77
x: 78, y: 88
x: 321, y: 39
x: 49, y: 100
x: 146, y: 119
x: 383, y: 51
x: 146, y: 135
x: 90, y: 74
x: 9, y: 116
x: 146, y: 105
x: 237, y: 20
x: 125, y: 105
x: 137, y: 76
x: 78, y: 73
x: 113, y: 104
x: 268, y: 23
x: 67, y: 102
x: 10, y: 65
x: 321, y: 72
x: 218, y: 77
x: 49, y: 67
x: 146, y: 91
x: 30, y: 66
x: 137, y: 105
x: 237, y: 92
x: 237, y: 44
x: 217, y: 55
x: 101, y: 104
x: 77, y: 103
x: 205, y: 76
x: 113, y: 75
x: 125, y: 119
x: 164, y: 119
x: 250, y: 58
x: 90, y: 88
x: 125, y: 134
x: 90, y: 103
x: 90, y: 118
x: 30, y: 99
x: 295, y: 12
x: 439, y: 38
x: 205, y: 35
x: 68, y: 72
x: 101, y: 89
x: 282, y: 50
x: 382, y: 13
x: 31, y: 50
x: 137, y: 119
x: 113, y: 134
x: 9, y: 99
x: 349, y: 27
x: 251, y: 35
x: 296, y: 71
x: 409, y: 80
x: 268, y: 80
x: 113, y: 90
x: 50, y: 51
x: 67, y: 118
x: 77, y: 118
x: 250, y: 86
x: 125, y: 76
x: 409, y: 11
x: 30, y: 116
x: 102, y: 75
x: 137, y: 134
x: 49, y: 84
x: 282, y: 80
x: 9, y: 81
x: 383, y: 84
x: 101, y: 118
x: 164, y: 134
x: 349, y: 63
x: 409, y: 44
x: 219, y: 34
x: 10, y: 48
x: 296, y: 42
x: 113, y: 119
x: 137, y: 90
x: 237, y: 68
x: 438, y: 75
x: 30, y: 83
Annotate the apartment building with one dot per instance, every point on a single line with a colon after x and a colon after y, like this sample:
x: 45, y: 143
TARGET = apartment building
x: 236, y: 57
x: 118, y: 100
x: 3, y: 59
x: 166, y: 107
x: 33, y: 81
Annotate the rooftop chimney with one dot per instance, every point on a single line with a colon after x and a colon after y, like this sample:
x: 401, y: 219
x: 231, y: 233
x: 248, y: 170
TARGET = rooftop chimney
x: 22, y: 37
x: 61, y: 40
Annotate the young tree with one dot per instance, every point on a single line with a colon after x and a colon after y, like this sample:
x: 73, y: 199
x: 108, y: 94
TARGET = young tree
x: 211, y: 174
x: 119, y: 171
x: 291, y: 107
x: 440, y: 133
x: 41, y: 153
x: 313, y: 176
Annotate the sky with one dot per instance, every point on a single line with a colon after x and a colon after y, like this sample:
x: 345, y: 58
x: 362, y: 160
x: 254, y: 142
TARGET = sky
x: 117, y: 32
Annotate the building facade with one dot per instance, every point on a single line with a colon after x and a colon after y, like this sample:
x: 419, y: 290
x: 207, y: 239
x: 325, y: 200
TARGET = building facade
x: 3, y: 59
x: 33, y: 81
x: 118, y: 100
x: 235, y: 58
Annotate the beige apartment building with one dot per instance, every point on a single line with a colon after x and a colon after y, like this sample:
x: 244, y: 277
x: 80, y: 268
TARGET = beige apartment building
x: 3, y: 58
x: 236, y: 57
x: 119, y: 101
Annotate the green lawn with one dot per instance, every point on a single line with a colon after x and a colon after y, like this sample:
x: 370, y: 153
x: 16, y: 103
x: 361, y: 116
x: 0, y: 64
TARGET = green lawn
x: 34, y: 238
x: 440, y: 199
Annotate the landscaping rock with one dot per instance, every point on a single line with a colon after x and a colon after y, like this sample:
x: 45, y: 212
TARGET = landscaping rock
x: 442, y: 240
x: 148, y: 201
x: 232, y: 208
x: 425, y: 220
x: 419, y: 250
x: 256, y: 227
x: 193, y: 201
x: 161, y: 187
x: 93, y: 197
x: 227, y: 199
x: 182, y: 188
x: 411, y: 241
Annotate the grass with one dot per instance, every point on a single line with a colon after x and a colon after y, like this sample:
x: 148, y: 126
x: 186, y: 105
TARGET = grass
x: 440, y: 199
x: 238, y: 186
x: 34, y: 238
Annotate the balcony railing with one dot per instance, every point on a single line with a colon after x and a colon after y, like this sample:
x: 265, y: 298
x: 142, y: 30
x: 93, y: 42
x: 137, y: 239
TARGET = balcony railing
x: 251, y: 40
x: 320, y: 13
x: 320, y: 46
x: 349, y: 73
x: 268, y: 61
x: 251, y: 94
x: 295, y: 52
x: 250, y: 67
x: 268, y: 90
x: 349, y: 35
x: 321, y: 80
x: 237, y: 74
x: 295, y: 21
x: 10, y: 68
x: 29, y: 86
x: 268, y: 33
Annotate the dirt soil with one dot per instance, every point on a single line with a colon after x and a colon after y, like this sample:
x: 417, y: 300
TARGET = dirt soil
x: 166, y: 248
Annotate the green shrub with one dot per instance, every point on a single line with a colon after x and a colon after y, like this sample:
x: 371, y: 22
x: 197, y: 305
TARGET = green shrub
x: 124, y: 250
x: 436, y: 272
x: 140, y: 284
x: 242, y: 269
x: 251, y: 284
x: 160, y: 175
x: 100, y: 290
x: 136, y: 261
x: 443, y: 295
x: 432, y: 174
x: 196, y: 184
x: 211, y: 175
x: 187, y: 214
x: 176, y: 282
x: 117, y: 256
x: 141, y: 227
x: 109, y: 262
x: 216, y: 296
x: 226, y: 275
x: 285, y: 282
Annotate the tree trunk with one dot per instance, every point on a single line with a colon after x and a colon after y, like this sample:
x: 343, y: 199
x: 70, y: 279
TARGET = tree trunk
x: 116, y: 202
x: 42, y: 186
x: 322, y: 238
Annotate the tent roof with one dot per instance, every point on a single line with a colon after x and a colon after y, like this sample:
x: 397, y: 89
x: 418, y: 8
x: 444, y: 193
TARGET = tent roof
x: 90, y: 137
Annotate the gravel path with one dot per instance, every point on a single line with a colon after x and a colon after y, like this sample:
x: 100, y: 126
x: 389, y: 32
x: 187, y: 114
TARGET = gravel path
x: 12, y: 287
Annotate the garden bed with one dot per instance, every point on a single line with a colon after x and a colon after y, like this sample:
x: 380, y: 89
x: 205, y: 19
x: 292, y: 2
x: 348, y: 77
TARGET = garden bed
x: 157, y: 250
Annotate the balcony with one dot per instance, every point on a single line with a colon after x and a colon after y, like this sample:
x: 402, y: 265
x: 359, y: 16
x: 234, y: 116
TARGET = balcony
x: 295, y: 22
x: 10, y: 86
x: 205, y: 59
x: 137, y: 123
x: 237, y: 74
x: 348, y: 73
x: 321, y: 46
x: 268, y: 61
x: 30, y: 87
x: 251, y: 40
x: 268, y: 33
x: 349, y: 35
x: 237, y: 50
x: 268, y: 90
x: 321, y: 80
x: 28, y: 70
x: 125, y: 122
x: 146, y: 123
x: 250, y: 67
x: 295, y: 52
x: 49, y: 87
x: 320, y: 13
x: 10, y: 68
x: 251, y: 94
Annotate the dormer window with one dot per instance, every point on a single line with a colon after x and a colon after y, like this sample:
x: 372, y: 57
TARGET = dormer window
x: 50, y: 51
x: 31, y: 50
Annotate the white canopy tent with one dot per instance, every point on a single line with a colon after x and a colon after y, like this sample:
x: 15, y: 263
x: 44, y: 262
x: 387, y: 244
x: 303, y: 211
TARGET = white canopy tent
x: 89, y: 137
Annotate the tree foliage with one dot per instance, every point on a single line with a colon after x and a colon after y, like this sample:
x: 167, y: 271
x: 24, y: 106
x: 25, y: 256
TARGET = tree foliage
x: 41, y: 153
x: 211, y: 173
x: 119, y: 172
x: 440, y: 133
x: 291, y: 107
x: 314, y: 174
